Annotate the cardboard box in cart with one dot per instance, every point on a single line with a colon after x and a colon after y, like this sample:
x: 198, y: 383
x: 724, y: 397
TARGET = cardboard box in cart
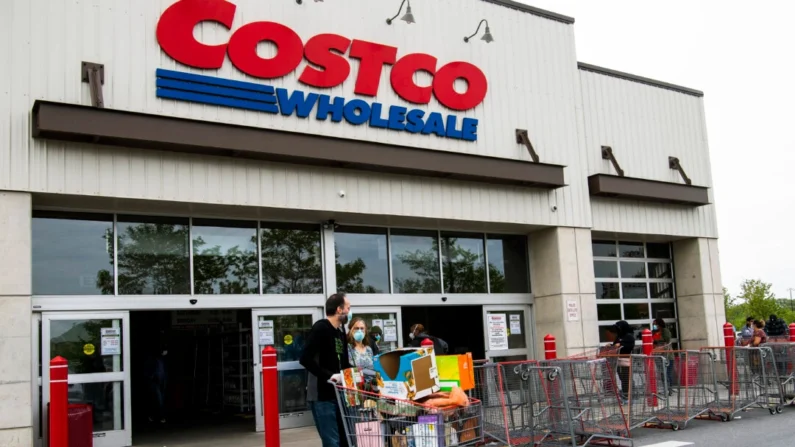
x: 408, y: 373
x: 456, y: 370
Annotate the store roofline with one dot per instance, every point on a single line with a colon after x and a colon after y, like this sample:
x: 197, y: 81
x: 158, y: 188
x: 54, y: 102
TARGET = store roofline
x: 533, y: 10
x: 630, y: 77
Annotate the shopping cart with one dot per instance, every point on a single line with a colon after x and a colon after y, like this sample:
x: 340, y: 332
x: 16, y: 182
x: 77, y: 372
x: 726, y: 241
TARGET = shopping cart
x: 783, y: 361
x: 691, y: 385
x: 743, y: 381
x: 372, y: 420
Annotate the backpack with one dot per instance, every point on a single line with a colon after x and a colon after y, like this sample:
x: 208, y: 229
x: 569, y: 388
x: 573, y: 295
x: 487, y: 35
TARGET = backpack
x: 439, y: 346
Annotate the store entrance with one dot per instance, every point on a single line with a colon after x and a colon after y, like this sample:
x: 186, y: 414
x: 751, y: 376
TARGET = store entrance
x: 460, y: 326
x: 207, y: 370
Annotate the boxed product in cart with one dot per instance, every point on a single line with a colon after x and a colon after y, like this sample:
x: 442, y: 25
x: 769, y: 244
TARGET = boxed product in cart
x: 456, y: 370
x: 409, y: 373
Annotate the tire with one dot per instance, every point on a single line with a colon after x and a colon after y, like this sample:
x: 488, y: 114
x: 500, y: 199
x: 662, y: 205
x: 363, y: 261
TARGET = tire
x: 778, y: 409
x: 772, y: 410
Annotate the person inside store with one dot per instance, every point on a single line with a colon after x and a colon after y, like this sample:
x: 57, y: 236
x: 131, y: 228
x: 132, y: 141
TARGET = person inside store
x: 661, y: 336
x: 157, y: 377
x: 625, y: 340
x: 417, y: 334
x: 325, y: 356
x: 376, y: 335
x: 360, y: 351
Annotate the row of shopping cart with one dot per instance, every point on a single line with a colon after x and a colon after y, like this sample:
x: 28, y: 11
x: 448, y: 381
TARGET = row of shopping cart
x: 599, y: 397
x: 595, y: 398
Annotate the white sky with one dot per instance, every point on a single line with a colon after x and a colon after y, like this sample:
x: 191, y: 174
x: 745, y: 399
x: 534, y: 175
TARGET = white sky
x: 740, y: 54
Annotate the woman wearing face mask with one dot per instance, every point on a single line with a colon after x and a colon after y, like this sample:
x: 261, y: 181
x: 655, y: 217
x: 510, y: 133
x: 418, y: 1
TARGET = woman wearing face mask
x: 375, y: 339
x: 359, y: 351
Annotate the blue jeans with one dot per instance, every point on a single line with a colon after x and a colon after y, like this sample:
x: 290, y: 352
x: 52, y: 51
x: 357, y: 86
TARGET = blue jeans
x: 329, y: 423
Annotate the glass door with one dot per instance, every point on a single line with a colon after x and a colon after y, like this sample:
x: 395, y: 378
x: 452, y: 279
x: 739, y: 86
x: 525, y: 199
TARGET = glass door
x: 96, y: 346
x: 286, y: 330
x: 388, y: 322
x: 508, y: 336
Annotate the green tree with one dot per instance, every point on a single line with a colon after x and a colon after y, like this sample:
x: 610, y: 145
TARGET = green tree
x: 758, y: 299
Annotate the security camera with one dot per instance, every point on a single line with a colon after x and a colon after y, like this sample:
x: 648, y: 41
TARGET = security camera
x: 193, y: 302
x: 342, y: 193
x: 554, y: 208
x: 444, y: 299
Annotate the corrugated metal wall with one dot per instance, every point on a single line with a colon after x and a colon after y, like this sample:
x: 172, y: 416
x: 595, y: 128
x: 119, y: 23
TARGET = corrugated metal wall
x: 645, y: 125
x: 531, y: 68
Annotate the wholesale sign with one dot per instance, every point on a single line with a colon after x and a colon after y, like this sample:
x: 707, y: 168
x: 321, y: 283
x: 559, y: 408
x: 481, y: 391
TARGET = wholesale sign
x: 327, y: 65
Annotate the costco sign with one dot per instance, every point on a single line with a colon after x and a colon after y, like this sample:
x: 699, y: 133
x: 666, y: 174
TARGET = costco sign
x: 322, y: 62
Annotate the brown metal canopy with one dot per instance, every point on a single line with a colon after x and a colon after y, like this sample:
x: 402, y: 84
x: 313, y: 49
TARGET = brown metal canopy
x: 77, y: 123
x: 604, y: 185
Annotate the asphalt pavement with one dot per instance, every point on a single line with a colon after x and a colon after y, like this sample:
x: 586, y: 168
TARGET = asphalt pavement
x: 755, y: 427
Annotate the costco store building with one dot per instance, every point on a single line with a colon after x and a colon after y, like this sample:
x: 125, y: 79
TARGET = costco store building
x: 197, y: 176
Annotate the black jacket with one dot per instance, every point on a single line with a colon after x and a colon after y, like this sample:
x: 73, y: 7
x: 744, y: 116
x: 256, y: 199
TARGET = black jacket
x: 440, y: 346
x: 775, y: 327
x: 325, y: 354
x: 624, y: 337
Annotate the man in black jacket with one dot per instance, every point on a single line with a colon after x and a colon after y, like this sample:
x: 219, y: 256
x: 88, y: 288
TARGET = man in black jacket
x: 325, y: 356
x: 775, y: 327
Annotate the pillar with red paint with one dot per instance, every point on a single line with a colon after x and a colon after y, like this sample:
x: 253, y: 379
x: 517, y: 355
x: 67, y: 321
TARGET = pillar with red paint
x: 550, y: 347
x: 270, y: 397
x: 651, y: 374
x: 792, y: 332
x: 731, y: 361
x: 59, y: 402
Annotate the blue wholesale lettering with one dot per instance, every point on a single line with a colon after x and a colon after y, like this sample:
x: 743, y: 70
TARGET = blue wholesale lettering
x: 264, y: 98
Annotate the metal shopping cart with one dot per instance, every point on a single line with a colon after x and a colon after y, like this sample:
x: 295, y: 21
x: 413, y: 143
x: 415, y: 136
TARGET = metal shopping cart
x: 372, y: 420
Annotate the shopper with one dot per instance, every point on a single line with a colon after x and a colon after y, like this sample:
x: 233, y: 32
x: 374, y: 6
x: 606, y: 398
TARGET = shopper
x: 360, y: 352
x: 661, y: 337
x: 156, y: 375
x: 776, y: 327
x: 376, y: 335
x: 626, y: 342
x: 325, y: 357
x: 417, y: 334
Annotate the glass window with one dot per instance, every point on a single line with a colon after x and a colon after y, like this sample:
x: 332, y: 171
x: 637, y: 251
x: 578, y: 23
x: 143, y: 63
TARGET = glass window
x: 361, y: 259
x: 658, y: 251
x: 604, y: 249
x: 634, y: 290
x: 663, y: 310
x: 636, y: 311
x: 508, y: 270
x: 630, y: 249
x: 607, y: 312
x: 72, y: 253
x: 291, y: 258
x: 289, y: 334
x: 517, y: 333
x: 153, y: 255
x: 607, y: 290
x: 605, y: 336
x: 605, y: 269
x: 224, y: 257
x: 662, y: 289
x: 107, y: 401
x: 660, y: 270
x: 80, y: 342
x: 633, y: 270
x: 415, y: 261
x: 463, y: 269
x: 372, y: 320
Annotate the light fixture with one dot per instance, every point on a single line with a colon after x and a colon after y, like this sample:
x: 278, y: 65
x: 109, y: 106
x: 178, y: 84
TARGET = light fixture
x: 408, y: 17
x: 486, y: 36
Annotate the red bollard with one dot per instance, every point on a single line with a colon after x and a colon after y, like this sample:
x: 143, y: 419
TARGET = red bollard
x: 651, y: 375
x: 792, y: 332
x: 59, y: 402
x: 731, y: 361
x: 270, y: 397
x: 550, y: 347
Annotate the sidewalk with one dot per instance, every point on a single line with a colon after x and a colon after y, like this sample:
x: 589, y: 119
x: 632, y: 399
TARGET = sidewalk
x: 300, y: 437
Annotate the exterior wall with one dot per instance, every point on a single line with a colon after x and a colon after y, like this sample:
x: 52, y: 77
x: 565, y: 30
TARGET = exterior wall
x: 533, y: 89
x: 562, y: 272
x: 15, y: 331
x: 644, y: 125
x: 699, y: 292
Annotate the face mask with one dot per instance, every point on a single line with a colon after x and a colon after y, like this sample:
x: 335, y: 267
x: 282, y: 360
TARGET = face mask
x: 411, y: 336
x: 654, y: 328
x: 377, y: 338
x: 345, y: 318
x: 358, y: 335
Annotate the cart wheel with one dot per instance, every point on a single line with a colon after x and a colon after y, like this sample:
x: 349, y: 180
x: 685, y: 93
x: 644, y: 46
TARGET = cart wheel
x: 675, y: 427
x: 725, y: 417
x: 772, y: 410
x: 778, y: 409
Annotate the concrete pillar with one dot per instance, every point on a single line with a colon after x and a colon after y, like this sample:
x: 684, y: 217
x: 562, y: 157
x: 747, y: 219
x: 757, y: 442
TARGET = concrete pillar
x: 562, y: 276
x: 15, y: 320
x: 699, y: 293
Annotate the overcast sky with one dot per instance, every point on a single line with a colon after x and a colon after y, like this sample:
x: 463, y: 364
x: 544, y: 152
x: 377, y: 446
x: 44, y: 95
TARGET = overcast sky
x: 740, y: 54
